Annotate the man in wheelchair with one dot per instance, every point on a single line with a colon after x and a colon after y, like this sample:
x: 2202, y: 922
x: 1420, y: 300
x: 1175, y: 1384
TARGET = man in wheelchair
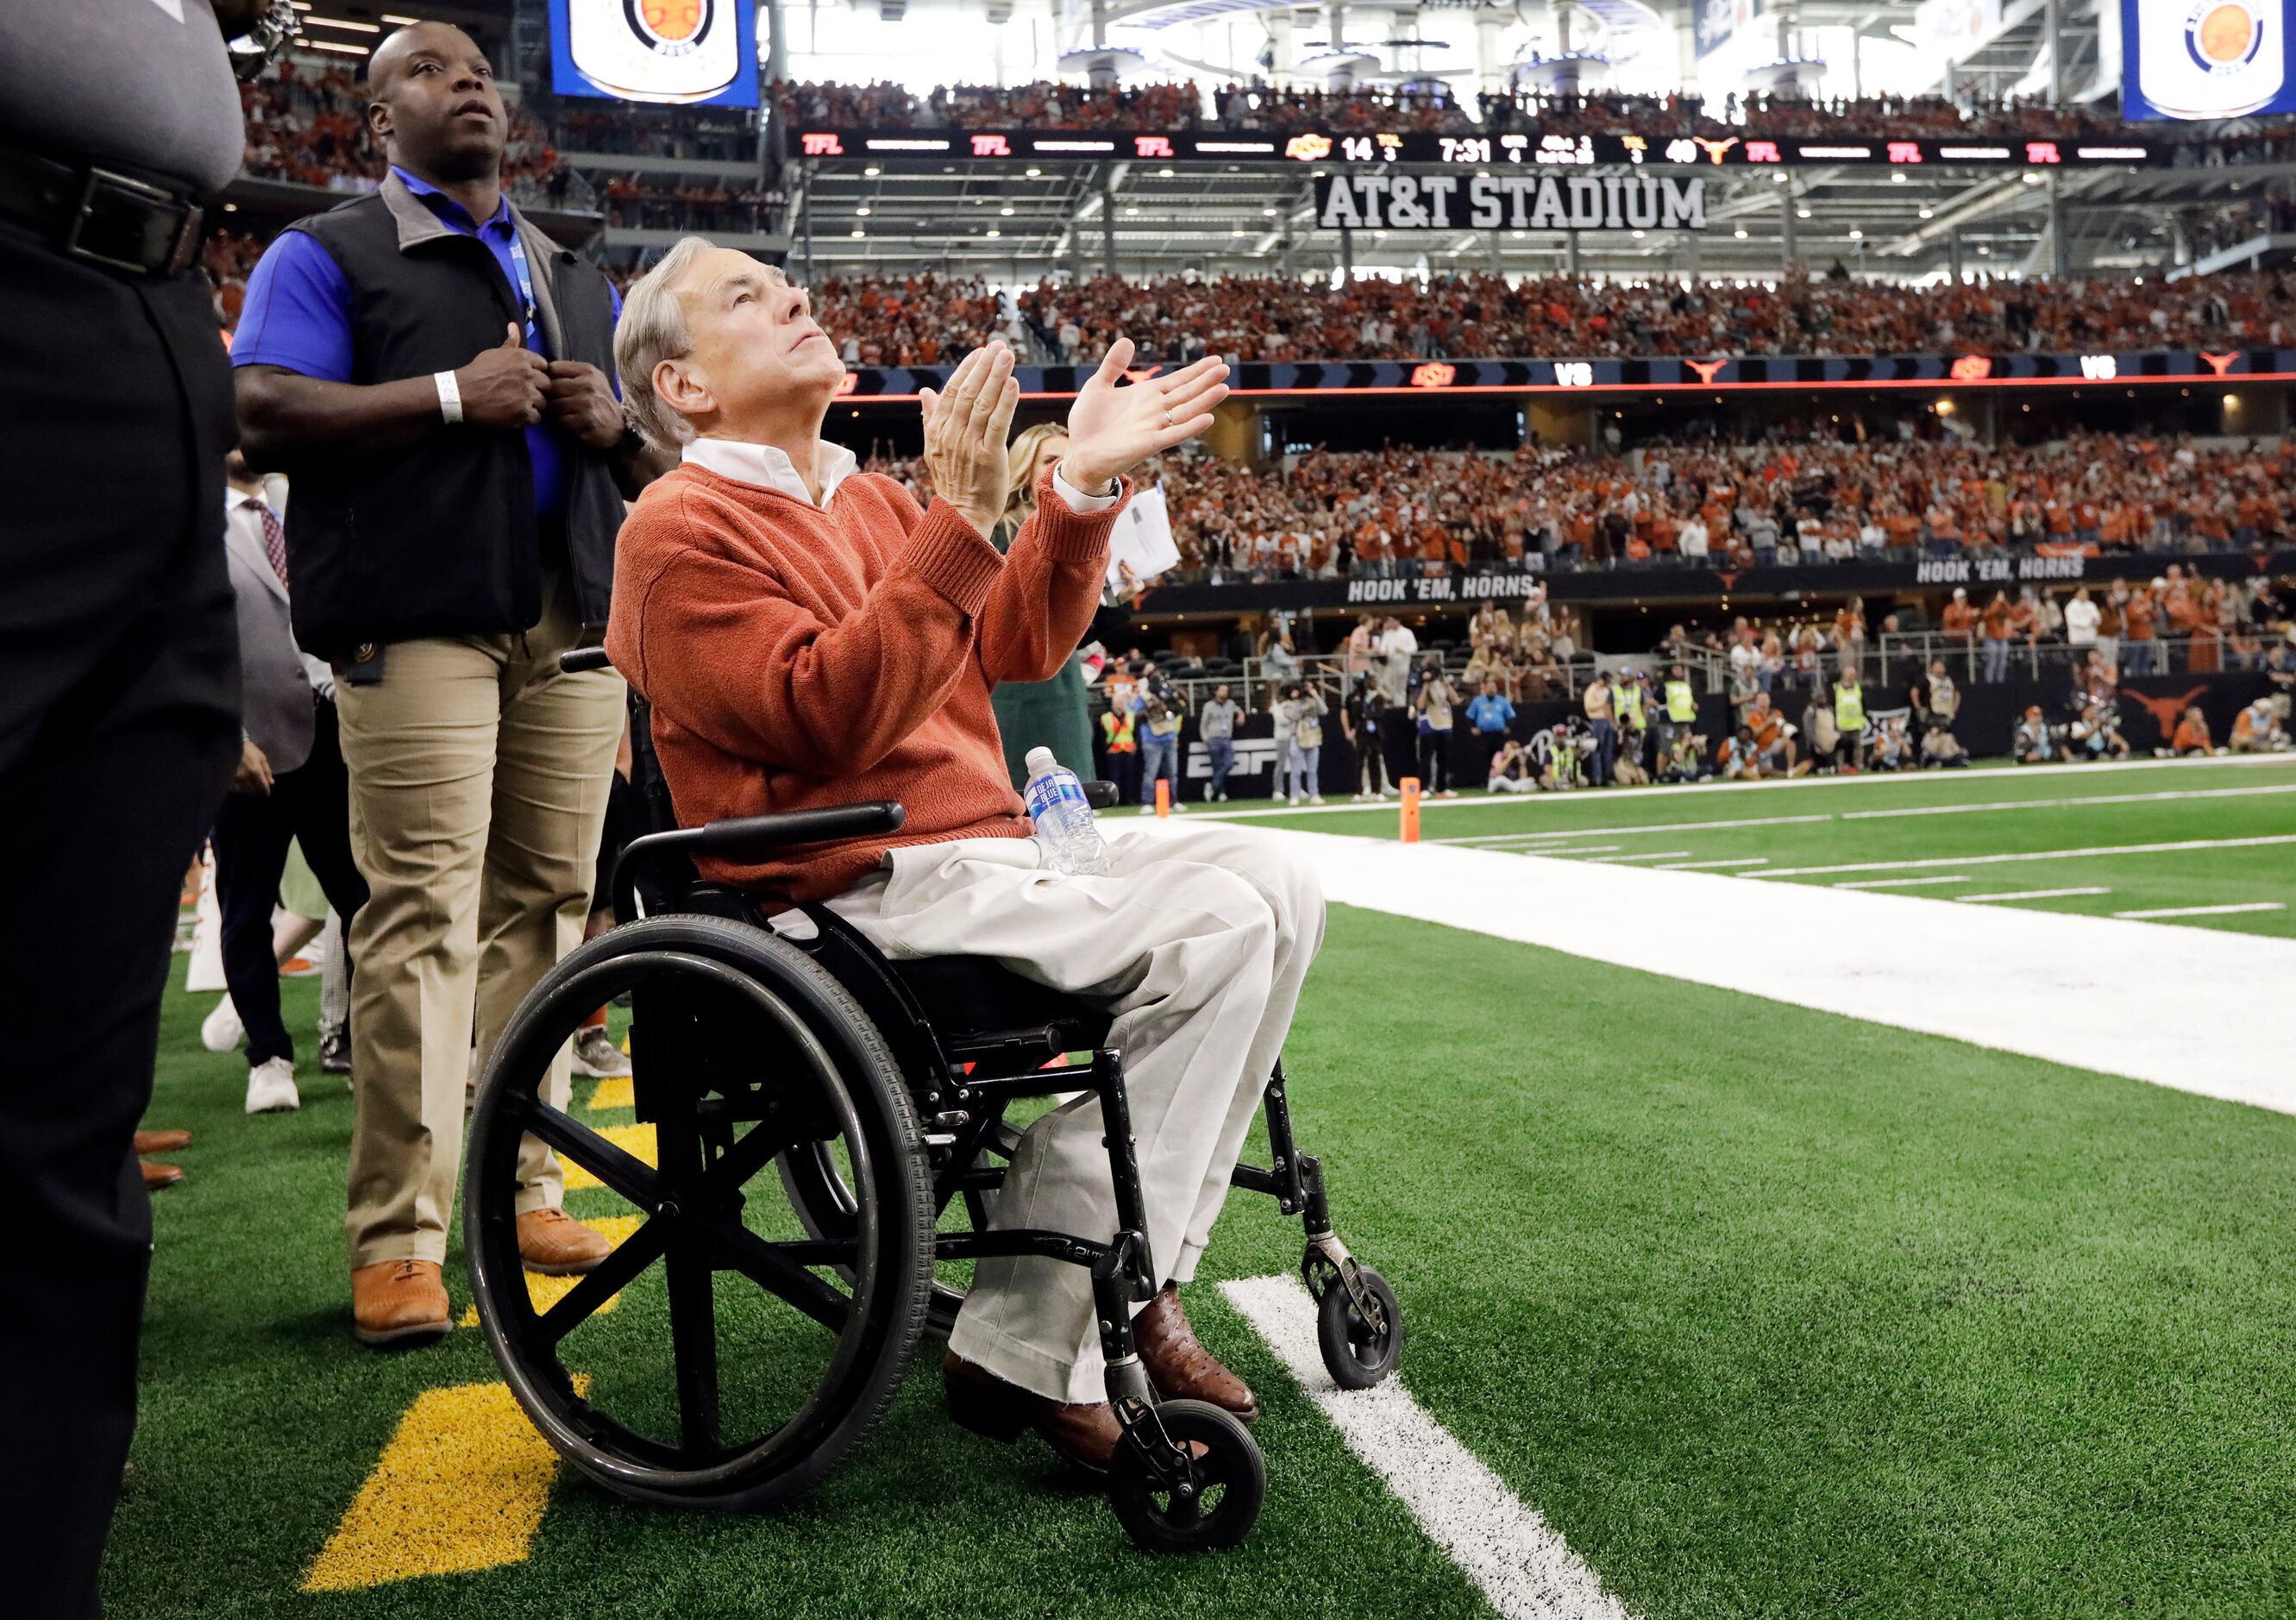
x: 806, y: 637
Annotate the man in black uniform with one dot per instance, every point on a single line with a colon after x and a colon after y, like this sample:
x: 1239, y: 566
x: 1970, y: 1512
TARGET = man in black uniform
x: 118, y: 701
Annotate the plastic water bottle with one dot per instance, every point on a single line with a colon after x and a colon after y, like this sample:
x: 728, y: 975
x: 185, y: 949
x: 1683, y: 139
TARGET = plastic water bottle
x: 1064, y: 828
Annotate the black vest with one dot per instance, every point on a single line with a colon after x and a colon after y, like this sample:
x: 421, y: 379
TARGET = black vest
x: 440, y: 538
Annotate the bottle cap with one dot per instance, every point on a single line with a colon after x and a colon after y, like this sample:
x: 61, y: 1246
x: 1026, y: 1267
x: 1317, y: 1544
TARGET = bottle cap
x: 1041, y: 761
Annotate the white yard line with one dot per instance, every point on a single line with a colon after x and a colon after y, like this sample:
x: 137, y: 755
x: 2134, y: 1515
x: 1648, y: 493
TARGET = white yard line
x: 1521, y: 1562
x: 2257, y: 905
x: 2014, y: 804
x: 1653, y: 855
x: 1671, y: 828
x: 1705, y: 866
x: 2027, y: 894
x: 1869, y: 778
x: 1995, y: 860
x: 1906, y: 883
x: 2057, y: 985
x: 1591, y: 848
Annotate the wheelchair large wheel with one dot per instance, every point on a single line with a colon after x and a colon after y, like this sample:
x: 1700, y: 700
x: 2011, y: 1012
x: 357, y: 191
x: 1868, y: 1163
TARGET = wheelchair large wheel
x: 827, y: 1208
x: 755, y: 1358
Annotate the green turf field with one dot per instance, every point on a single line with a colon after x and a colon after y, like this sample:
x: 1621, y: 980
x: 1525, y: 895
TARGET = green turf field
x: 1888, y: 824
x: 1770, y: 1312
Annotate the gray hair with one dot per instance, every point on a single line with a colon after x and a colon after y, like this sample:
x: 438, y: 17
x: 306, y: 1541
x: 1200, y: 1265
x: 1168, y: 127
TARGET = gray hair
x: 653, y: 329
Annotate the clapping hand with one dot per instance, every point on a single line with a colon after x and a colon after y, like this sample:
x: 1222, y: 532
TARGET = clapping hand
x: 1113, y: 429
x: 964, y: 435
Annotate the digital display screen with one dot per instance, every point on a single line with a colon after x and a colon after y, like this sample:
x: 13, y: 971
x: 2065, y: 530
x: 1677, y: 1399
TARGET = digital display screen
x: 668, y: 53
x: 1527, y: 149
x: 2205, y: 58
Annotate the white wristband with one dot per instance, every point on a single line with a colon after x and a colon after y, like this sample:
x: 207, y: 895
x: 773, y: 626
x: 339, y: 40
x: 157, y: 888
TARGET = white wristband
x: 450, y: 397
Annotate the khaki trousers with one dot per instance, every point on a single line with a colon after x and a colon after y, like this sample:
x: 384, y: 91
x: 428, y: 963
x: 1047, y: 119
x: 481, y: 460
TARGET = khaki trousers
x: 1198, y: 941
x: 477, y: 786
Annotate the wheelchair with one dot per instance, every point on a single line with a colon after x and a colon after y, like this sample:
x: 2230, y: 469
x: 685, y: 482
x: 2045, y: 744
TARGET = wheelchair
x: 828, y: 1129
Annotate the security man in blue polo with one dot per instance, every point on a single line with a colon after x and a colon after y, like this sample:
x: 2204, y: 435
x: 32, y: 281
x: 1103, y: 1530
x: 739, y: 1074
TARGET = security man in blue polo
x: 438, y: 377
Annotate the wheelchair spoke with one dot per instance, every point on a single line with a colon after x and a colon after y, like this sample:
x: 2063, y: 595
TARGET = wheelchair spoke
x: 745, y: 1159
x: 622, y: 1171
x: 631, y: 1256
x: 763, y: 1264
x: 693, y: 1340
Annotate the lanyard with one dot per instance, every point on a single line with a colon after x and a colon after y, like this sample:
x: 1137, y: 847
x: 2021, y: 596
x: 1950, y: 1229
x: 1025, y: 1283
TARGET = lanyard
x: 525, y: 280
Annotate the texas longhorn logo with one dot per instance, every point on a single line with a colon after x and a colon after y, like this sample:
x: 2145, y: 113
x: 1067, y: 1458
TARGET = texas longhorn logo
x: 1706, y: 369
x: 1715, y: 149
x: 2164, y: 710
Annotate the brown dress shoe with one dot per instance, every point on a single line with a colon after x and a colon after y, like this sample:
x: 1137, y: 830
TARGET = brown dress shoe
x: 162, y: 1141
x: 553, y: 1242
x: 980, y: 1400
x: 157, y: 1176
x: 398, y: 1301
x: 1179, y: 1365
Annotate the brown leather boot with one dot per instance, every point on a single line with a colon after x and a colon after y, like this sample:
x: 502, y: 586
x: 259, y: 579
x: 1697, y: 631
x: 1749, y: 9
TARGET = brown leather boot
x: 162, y: 1141
x: 1179, y: 1365
x: 981, y: 1401
x: 398, y: 1301
x: 157, y: 1176
x: 553, y: 1242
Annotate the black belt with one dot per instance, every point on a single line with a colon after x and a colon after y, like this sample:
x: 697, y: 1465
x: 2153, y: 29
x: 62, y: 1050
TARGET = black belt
x: 100, y: 215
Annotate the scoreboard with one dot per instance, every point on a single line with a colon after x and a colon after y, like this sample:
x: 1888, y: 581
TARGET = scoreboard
x: 1525, y: 148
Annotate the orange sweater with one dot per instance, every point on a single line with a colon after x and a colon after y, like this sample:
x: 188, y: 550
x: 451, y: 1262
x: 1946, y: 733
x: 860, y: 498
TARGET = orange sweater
x: 796, y: 658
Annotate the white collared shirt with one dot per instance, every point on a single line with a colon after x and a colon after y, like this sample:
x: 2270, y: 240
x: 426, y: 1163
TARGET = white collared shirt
x: 769, y: 467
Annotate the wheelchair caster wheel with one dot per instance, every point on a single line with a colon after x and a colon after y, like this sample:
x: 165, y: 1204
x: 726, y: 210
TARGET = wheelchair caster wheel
x: 1215, y: 1509
x: 1355, y: 1354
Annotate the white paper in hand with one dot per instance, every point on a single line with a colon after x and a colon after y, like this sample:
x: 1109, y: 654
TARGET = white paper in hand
x: 1142, y: 539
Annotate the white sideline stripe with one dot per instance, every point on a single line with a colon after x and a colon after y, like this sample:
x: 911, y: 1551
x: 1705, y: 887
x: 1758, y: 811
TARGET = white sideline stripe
x: 2027, y: 894
x: 2258, y: 904
x: 1654, y: 855
x: 1922, y: 964
x: 1669, y: 828
x: 1995, y: 860
x: 1637, y: 794
x: 1905, y: 883
x: 1656, y: 826
x: 1521, y: 1562
x: 2009, y: 804
x: 1704, y: 866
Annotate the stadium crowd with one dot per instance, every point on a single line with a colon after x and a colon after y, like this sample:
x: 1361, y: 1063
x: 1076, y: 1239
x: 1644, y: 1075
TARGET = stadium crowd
x: 1261, y: 106
x: 898, y: 321
x: 1336, y: 515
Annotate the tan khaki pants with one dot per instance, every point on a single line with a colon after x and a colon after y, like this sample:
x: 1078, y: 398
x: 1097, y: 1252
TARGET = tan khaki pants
x: 479, y: 776
x: 1198, y: 941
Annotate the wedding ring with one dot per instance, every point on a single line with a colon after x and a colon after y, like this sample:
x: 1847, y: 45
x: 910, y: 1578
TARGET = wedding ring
x: 1168, y: 418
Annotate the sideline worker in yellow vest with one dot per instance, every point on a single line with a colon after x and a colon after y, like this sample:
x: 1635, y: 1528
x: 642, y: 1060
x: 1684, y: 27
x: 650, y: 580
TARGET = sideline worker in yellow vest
x: 1120, y: 748
x: 1850, y: 721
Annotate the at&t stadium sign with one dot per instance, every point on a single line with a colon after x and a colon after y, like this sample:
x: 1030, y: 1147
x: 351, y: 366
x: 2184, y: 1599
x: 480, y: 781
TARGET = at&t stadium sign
x: 1398, y: 201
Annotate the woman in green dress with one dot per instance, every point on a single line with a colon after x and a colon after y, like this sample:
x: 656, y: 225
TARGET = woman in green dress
x: 1040, y: 713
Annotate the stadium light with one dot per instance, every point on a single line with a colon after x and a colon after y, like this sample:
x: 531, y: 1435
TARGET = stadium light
x: 862, y: 212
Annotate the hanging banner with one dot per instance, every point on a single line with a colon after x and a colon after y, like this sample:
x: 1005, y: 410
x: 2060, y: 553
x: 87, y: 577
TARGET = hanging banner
x: 1714, y: 24
x: 1505, y: 201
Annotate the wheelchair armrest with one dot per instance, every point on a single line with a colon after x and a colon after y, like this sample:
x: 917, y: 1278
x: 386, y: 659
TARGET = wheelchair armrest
x: 739, y: 837
x: 746, y: 835
x: 1100, y: 796
x: 584, y: 658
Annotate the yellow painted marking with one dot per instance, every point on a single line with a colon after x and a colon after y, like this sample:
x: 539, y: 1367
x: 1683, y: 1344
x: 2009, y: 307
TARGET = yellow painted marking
x: 636, y: 1140
x: 461, y: 1486
x: 547, y: 1291
x: 612, y: 1092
